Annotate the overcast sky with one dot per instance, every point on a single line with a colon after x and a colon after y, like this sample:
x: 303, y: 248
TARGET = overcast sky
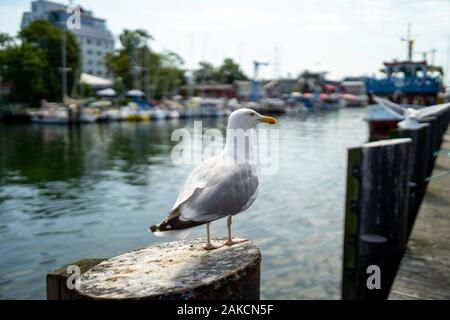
x: 344, y: 37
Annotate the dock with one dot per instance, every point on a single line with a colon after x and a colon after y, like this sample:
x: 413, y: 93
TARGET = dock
x: 424, y: 272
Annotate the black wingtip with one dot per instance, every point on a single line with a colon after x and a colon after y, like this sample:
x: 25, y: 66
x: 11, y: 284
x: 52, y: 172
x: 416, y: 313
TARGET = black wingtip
x: 154, y: 228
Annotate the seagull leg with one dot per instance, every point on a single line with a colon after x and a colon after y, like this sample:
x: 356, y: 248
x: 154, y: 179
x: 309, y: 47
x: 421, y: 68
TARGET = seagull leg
x: 230, y: 240
x: 209, y: 245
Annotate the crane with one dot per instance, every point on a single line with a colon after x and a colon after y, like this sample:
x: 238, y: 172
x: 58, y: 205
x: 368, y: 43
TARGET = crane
x: 255, y: 86
x: 425, y: 54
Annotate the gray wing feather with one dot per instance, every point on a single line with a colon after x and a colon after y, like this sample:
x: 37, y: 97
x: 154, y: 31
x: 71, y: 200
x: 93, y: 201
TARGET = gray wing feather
x: 216, y: 188
x: 233, y: 194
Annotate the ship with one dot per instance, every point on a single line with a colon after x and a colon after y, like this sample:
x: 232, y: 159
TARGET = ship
x: 408, y: 83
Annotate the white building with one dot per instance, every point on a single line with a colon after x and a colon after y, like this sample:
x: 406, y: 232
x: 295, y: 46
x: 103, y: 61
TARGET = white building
x: 94, y: 38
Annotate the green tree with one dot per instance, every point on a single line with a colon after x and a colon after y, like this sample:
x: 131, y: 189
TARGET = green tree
x: 24, y: 67
x: 48, y: 38
x: 230, y: 71
x: 5, y: 40
x: 206, y: 73
x: 139, y: 67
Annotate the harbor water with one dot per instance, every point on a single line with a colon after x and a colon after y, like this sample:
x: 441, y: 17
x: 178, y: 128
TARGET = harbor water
x: 92, y: 191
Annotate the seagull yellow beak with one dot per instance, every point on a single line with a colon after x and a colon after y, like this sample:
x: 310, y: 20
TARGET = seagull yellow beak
x: 268, y: 120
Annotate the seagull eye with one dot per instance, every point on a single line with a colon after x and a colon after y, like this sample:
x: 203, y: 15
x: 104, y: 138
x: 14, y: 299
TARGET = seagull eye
x: 252, y: 114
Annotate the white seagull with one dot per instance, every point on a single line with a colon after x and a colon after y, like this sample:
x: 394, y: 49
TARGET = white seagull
x: 221, y: 186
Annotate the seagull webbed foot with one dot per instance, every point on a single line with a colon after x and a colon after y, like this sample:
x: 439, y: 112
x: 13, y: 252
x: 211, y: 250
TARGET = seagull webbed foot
x: 235, y: 241
x: 213, y: 246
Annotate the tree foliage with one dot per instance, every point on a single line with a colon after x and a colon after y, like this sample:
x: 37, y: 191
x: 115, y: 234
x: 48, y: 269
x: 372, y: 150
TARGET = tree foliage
x: 32, y: 66
x: 228, y: 72
x: 136, y: 66
x: 41, y: 34
x: 24, y: 66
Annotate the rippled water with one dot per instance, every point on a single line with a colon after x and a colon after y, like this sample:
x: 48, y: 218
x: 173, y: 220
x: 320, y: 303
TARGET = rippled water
x: 67, y: 194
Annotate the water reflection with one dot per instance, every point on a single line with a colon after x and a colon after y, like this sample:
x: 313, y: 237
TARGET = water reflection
x: 68, y: 193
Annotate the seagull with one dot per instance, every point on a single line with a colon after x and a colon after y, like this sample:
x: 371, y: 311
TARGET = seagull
x: 411, y: 120
x: 221, y: 186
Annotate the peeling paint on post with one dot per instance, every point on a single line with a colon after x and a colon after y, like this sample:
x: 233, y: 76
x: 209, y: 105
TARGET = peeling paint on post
x: 177, y: 270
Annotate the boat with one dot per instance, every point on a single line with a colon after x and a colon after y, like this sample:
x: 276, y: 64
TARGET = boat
x: 354, y: 93
x: 173, y: 114
x: 408, y: 81
x: 112, y: 115
x: 132, y: 112
x: 53, y: 116
x: 158, y: 114
x: 354, y: 101
x: 88, y: 116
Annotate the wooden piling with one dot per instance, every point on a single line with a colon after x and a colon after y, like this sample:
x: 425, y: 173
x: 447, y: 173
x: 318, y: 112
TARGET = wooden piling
x: 176, y: 270
x: 376, y: 215
x: 421, y: 156
x: 351, y: 232
x: 425, y: 268
x: 434, y: 141
x: 57, y: 280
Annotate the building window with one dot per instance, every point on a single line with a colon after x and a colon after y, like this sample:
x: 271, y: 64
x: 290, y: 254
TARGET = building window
x: 88, y: 41
x: 89, y: 62
x: 99, y: 42
x: 99, y: 53
x: 89, y: 51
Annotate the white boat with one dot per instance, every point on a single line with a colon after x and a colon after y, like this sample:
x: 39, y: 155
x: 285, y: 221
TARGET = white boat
x: 173, y: 114
x: 158, y: 114
x: 113, y: 115
x: 131, y: 112
x: 57, y: 116
x: 87, y: 116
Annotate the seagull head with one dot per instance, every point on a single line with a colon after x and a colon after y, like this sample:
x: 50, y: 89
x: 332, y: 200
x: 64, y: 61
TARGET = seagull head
x: 411, y: 113
x: 248, y: 119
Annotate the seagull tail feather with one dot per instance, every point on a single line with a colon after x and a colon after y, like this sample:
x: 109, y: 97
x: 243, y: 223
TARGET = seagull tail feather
x: 179, y: 234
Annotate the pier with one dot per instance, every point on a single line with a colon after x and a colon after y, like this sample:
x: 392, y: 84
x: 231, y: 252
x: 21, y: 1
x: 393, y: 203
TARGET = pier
x: 396, y: 219
x: 424, y: 271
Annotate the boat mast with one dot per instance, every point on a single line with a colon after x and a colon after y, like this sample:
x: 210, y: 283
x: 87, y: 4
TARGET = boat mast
x: 409, y: 43
x: 63, y: 67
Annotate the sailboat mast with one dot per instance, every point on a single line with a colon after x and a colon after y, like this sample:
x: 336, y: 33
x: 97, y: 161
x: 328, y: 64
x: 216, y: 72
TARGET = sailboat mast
x: 64, y: 64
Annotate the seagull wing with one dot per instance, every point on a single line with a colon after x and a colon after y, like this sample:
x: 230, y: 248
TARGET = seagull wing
x: 432, y: 110
x: 216, y: 188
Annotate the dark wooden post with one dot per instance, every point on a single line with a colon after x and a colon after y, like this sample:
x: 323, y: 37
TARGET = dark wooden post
x: 376, y: 215
x: 57, y: 280
x: 351, y: 228
x: 420, y: 157
x: 176, y: 270
x: 433, y: 142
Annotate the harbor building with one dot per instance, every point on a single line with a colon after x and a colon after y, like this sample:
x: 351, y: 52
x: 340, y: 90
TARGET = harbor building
x: 93, y: 36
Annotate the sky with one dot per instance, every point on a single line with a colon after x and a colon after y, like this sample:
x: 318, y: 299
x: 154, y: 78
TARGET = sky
x: 343, y: 37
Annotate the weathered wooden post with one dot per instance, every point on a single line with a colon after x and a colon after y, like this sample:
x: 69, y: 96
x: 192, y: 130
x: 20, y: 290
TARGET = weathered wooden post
x: 376, y: 215
x: 433, y: 142
x: 56, y: 280
x: 176, y: 270
x: 351, y: 227
x: 420, y: 151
